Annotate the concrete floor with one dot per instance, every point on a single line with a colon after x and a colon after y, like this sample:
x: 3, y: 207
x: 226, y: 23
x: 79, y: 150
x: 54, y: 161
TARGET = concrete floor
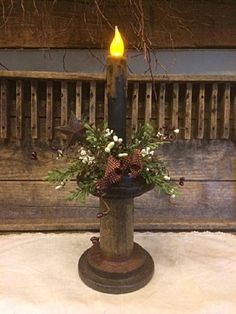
x: 195, y: 273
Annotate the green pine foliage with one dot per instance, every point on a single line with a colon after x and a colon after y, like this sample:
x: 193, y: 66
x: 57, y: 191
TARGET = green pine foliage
x: 86, y: 161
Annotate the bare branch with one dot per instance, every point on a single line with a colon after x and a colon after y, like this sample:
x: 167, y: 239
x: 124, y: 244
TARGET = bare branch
x: 102, y: 15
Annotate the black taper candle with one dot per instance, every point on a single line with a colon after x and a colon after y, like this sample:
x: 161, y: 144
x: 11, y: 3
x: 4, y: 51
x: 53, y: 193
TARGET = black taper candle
x: 115, y: 264
x: 117, y: 95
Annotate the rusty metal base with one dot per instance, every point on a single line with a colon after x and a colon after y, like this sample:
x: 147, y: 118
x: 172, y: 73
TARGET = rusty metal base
x: 116, y: 277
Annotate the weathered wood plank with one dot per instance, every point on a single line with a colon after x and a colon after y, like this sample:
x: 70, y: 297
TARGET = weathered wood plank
x: 3, y: 110
x: 92, y: 103
x: 78, y: 99
x: 234, y: 113
x: 195, y: 160
x: 175, y: 106
x: 49, y: 110
x: 201, y: 111
x: 48, y: 224
x: 200, y: 202
x: 135, y: 101
x: 79, y: 76
x: 181, y: 78
x: 34, y: 109
x: 105, y: 105
x: 79, y: 224
x: 85, y: 32
x: 161, y: 106
x: 64, y: 102
x: 148, y: 102
x: 19, y: 109
x: 197, y: 199
x: 188, y: 112
x: 45, y: 75
x: 213, y: 111
x: 226, y: 112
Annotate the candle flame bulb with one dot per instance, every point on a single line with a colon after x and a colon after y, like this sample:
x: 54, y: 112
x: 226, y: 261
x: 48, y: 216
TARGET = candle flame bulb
x: 117, y: 45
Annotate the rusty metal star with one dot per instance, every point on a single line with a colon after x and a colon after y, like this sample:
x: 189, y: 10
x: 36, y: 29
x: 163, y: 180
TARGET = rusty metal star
x: 74, y: 130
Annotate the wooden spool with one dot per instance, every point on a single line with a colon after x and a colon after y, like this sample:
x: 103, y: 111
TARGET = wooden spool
x: 116, y: 264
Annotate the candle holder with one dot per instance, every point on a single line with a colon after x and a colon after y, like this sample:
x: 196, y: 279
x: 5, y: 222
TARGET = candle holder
x: 115, y: 263
x: 116, y: 172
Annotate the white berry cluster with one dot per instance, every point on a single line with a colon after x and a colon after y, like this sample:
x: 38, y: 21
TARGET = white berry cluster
x: 161, y: 135
x: 167, y: 178
x: 172, y: 192
x: 147, y: 152
x: 116, y: 139
x: 122, y: 155
x: 108, y: 132
x: 85, y: 156
x: 60, y: 186
x: 59, y: 154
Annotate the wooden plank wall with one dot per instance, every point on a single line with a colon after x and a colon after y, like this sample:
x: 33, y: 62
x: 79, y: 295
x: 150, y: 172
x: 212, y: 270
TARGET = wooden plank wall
x: 205, y: 153
x: 74, y: 23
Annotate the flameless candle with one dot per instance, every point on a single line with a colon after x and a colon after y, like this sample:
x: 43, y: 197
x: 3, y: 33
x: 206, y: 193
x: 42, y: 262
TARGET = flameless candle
x: 117, y: 45
x: 115, y: 264
x: 117, y: 86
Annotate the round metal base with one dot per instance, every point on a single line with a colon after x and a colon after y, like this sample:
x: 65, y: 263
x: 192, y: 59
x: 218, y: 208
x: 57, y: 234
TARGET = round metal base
x: 116, y: 276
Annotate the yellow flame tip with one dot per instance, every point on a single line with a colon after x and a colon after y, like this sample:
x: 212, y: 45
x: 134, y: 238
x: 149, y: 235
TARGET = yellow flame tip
x: 117, y: 44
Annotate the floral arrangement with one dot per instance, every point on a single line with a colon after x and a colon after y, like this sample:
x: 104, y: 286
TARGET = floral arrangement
x: 97, y: 158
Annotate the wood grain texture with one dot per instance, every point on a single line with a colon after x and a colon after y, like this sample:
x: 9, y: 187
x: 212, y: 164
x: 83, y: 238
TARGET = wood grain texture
x: 210, y: 116
x: 49, y: 110
x: 207, y: 200
x: 78, y: 76
x: 225, y: 111
x: 201, y: 111
x: 161, y: 106
x: 105, y: 105
x: 34, y: 109
x: 3, y: 110
x: 213, y: 111
x: 175, y: 106
x: 188, y: 112
x: 78, y: 100
x: 66, y: 24
x: 92, y: 103
x: 19, y: 109
x: 135, y: 102
x: 116, y: 228
x: 148, y: 102
x: 64, y: 102
x: 200, y: 204
x: 195, y: 160
x: 197, y: 199
x: 234, y: 113
x: 80, y: 224
x: 181, y: 78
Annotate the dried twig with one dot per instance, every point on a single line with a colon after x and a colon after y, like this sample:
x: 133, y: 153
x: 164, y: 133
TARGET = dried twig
x: 6, y: 17
x: 3, y: 66
x: 35, y: 7
x: 103, y: 15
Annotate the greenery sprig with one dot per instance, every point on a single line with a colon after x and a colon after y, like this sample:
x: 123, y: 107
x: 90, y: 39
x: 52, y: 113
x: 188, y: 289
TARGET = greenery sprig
x: 86, y: 160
